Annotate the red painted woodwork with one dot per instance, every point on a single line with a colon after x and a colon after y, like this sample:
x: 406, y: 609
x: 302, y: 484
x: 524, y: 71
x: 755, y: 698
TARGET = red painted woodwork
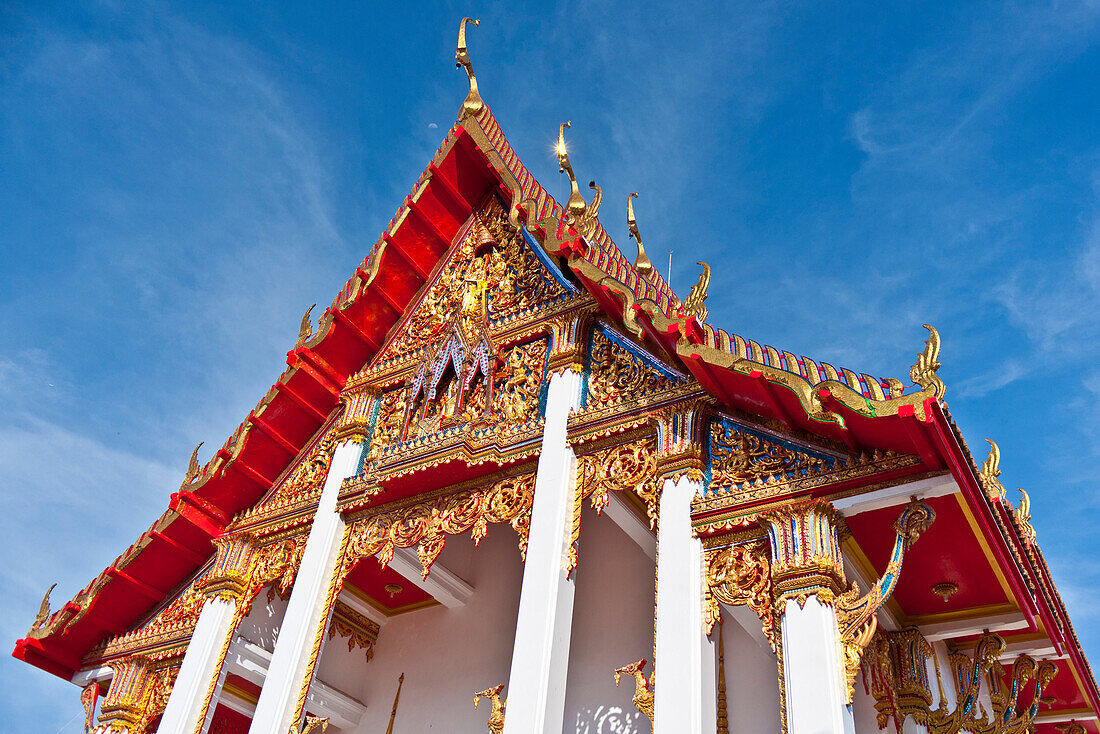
x: 371, y: 578
x: 228, y: 721
x: 948, y: 551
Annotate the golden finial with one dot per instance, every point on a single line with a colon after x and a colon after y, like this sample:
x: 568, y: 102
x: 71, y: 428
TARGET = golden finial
x: 694, y: 305
x: 923, y: 373
x: 990, y: 471
x: 192, y: 467
x: 473, y: 103
x: 496, y: 716
x: 43, y: 609
x: 1023, y: 517
x: 594, y: 207
x: 306, y: 328
x: 641, y: 263
x: 575, y: 207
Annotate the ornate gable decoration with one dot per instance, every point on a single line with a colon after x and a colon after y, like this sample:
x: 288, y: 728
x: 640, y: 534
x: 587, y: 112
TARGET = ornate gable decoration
x: 492, y: 278
x: 617, y: 374
x: 747, y: 467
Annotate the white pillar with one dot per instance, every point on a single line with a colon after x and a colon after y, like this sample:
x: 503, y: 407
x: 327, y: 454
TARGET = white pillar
x: 191, y: 701
x: 307, y: 609
x: 684, y: 658
x: 812, y: 670
x: 536, y: 684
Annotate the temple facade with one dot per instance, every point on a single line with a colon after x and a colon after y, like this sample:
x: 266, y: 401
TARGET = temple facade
x: 510, y: 481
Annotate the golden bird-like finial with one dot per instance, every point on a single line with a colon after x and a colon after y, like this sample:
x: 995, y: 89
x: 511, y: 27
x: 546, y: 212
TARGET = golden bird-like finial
x: 473, y: 103
x: 923, y: 373
x: 575, y: 207
x: 694, y: 305
x: 586, y: 223
x: 43, y: 609
x: 594, y: 207
x: 1023, y: 517
x: 305, y: 329
x: 641, y: 263
x: 990, y: 471
x: 192, y: 467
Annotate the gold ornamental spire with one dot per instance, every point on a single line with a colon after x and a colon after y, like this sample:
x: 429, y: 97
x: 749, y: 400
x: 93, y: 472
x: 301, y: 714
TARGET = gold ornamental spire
x: 923, y: 373
x: 594, y: 207
x: 989, y: 472
x: 473, y: 103
x: 694, y: 305
x: 576, y: 205
x: 641, y: 263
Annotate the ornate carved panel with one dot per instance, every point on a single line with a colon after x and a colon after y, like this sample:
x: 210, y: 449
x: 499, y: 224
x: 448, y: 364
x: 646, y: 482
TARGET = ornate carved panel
x: 616, y: 374
x: 427, y: 524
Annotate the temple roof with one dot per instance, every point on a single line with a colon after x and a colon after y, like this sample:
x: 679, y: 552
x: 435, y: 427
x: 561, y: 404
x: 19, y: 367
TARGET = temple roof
x: 474, y: 161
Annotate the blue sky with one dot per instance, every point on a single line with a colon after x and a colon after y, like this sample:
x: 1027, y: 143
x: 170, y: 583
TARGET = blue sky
x: 179, y: 181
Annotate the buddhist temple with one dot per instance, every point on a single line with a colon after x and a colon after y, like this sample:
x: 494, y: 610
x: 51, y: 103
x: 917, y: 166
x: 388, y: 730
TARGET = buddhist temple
x: 509, y: 481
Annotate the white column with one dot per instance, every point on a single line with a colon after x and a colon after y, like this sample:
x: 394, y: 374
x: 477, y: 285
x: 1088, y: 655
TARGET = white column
x: 536, y: 684
x: 306, y: 611
x: 812, y: 670
x: 191, y: 700
x: 685, y: 668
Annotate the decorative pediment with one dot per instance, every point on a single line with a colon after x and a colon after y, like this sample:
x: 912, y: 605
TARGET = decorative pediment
x: 493, y: 277
x: 619, y: 372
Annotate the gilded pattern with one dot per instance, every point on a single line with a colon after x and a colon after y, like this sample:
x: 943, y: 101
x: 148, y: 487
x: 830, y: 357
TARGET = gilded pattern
x: 617, y: 374
x: 897, y: 671
x: 643, y: 688
x: 426, y: 525
x: 361, y: 631
x: 741, y: 457
x: 740, y: 574
x: 496, y: 714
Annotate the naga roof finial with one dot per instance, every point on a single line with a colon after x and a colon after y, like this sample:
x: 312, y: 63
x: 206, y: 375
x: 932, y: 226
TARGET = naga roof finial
x: 923, y: 373
x: 694, y: 305
x: 594, y: 207
x: 306, y: 328
x: 1023, y: 517
x: 473, y: 103
x: 576, y: 205
x: 641, y: 263
x: 989, y: 472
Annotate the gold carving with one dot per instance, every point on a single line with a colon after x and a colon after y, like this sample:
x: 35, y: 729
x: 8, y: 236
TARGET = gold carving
x: 856, y: 616
x: 723, y: 711
x: 42, y: 616
x: 575, y: 206
x: 361, y: 631
x: 1022, y: 514
x: 990, y: 471
x: 305, y: 330
x: 897, y: 673
x: 621, y: 468
x: 616, y: 374
x: 88, y: 696
x: 277, y: 564
x: 740, y: 574
x: 427, y: 525
x: 496, y: 716
x: 923, y: 373
x: 192, y: 468
x: 312, y: 723
x: 396, y: 697
x: 587, y: 225
x: 643, y: 689
x: 694, y: 304
x: 641, y: 263
x: 473, y: 104
x: 738, y: 456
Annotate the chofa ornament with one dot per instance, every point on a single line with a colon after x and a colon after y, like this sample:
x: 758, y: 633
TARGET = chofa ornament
x: 496, y: 715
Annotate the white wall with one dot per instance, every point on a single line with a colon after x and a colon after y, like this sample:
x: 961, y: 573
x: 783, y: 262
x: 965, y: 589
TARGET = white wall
x: 261, y: 625
x: 863, y: 706
x: 612, y: 626
x: 446, y: 654
x: 752, y: 681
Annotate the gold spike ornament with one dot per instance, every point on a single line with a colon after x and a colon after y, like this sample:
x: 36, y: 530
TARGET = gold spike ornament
x: 473, y: 103
x: 641, y: 263
x: 989, y: 472
x: 923, y: 373
x: 694, y: 305
x: 575, y: 207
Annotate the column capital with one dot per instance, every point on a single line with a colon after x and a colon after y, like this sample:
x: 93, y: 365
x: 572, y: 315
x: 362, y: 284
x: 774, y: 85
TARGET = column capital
x: 355, y: 422
x: 137, y: 694
x: 568, y: 340
x: 805, y: 547
x: 681, y: 445
x: 230, y: 578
